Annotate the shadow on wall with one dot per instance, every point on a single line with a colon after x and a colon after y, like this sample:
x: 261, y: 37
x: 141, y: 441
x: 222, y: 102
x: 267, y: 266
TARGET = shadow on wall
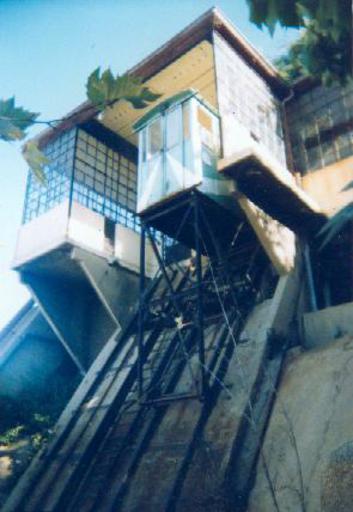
x: 39, y: 376
x: 36, y: 383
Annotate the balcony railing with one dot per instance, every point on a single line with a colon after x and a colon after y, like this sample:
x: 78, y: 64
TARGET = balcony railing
x: 83, y: 169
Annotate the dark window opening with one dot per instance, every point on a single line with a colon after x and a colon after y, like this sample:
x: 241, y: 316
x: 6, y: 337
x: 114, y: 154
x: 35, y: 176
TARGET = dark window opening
x: 109, y: 232
x: 321, y: 127
x: 333, y: 270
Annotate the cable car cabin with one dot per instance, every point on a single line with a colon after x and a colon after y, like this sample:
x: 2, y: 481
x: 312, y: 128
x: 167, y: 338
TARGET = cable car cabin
x: 179, y: 147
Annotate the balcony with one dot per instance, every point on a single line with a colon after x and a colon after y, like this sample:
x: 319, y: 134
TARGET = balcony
x: 88, y: 201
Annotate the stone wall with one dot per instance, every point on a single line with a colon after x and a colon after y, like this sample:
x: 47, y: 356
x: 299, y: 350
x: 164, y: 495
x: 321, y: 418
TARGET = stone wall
x: 308, y: 447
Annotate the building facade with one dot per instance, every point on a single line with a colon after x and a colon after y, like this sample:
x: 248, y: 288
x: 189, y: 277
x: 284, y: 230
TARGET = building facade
x: 267, y: 162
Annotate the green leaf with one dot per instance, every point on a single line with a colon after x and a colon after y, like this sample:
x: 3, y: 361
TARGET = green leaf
x: 325, y: 49
x: 148, y: 95
x: 108, y: 85
x: 316, y: 53
x: 94, y: 93
x: 14, y: 120
x: 270, y: 12
x: 104, y: 90
x: 36, y: 160
x: 9, y: 131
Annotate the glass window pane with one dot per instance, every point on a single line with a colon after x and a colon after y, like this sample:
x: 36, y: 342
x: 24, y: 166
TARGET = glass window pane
x: 174, y: 128
x: 186, y: 120
x: 205, y: 124
x: 155, y: 137
x: 174, y: 177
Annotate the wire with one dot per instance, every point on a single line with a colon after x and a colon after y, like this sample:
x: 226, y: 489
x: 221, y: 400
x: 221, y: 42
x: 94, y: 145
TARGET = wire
x: 251, y: 416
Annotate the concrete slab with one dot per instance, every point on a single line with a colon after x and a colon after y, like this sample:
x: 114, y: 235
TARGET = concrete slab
x: 308, y: 447
x: 321, y: 327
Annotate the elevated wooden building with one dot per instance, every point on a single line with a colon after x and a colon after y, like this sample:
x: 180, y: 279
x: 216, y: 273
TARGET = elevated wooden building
x: 173, y: 259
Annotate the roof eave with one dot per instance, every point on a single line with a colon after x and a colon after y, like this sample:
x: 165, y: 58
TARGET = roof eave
x: 211, y: 21
x: 202, y: 28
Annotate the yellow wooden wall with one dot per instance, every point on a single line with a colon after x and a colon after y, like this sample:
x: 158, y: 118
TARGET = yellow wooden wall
x: 325, y: 185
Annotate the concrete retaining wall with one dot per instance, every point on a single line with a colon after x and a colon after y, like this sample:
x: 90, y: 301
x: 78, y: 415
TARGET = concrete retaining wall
x: 308, y: 448
x: 320, y: 327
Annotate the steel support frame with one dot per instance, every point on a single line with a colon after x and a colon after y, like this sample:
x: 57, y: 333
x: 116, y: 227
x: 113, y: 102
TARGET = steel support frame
x: 193, y: 214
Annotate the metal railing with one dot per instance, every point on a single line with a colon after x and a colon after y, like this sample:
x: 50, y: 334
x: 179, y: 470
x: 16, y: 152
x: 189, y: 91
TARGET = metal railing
x: 97, y: 179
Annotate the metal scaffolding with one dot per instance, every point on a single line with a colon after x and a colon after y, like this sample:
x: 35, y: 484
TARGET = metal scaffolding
x: 217, y: 284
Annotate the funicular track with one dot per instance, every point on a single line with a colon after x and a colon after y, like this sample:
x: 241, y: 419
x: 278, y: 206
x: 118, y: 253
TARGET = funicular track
x: 103, y: 436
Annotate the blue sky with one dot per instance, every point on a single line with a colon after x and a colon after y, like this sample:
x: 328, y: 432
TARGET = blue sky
x: 47, y: 50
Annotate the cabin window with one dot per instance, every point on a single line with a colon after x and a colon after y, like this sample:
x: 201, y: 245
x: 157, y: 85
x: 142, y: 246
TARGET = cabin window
x: 186, y: 121
x: 88, y: 171
x: 155, y: 138
x: 174, y: 128
x: 182, y: 138
x: 174, y: 151
x: 321, y: 127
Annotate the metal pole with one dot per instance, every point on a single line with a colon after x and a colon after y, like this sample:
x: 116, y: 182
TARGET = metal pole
x: 25, y: 206
x: 72, y: 177
x: 163, y: 270
x: 200, y: 322
x: 140, y: 334
x: 310, y: 277
x: 220, y: 257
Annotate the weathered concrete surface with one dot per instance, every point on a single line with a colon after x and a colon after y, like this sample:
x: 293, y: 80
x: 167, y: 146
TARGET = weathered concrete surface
x: 201, y: 459
x: 116, y: 286
x: 188, y: 456
x: 29, y: 355
x: 86, y: 305
x: 220, y: 473
x: 322, y: 326
x: 308, y: 448
x: 218, y: 448
x: 277, y: 240
x: 63, y: 308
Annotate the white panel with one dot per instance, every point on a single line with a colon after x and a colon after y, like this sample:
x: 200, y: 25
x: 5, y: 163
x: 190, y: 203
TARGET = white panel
x: 42, y: 234
x: 127, y: 251
x: 87, y: 228
x: 235, y: 136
